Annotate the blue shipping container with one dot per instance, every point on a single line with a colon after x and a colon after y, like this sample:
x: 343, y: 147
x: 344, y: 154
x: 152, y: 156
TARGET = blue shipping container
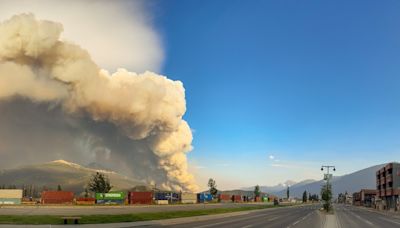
x: 204, y: 197
x: 110, y: 201
x: 172, y: 196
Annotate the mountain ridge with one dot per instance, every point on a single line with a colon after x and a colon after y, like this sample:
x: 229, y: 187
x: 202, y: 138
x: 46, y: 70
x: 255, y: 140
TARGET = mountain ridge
x: 71, y: 176
x: 352, y: 182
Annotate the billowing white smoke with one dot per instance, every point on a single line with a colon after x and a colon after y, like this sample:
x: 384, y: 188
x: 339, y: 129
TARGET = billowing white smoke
x: 147, y: 108
x: 116, y: 33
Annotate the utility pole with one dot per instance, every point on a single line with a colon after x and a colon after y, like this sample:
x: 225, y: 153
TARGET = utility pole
x: 328, y: 167
x: 327, y: 176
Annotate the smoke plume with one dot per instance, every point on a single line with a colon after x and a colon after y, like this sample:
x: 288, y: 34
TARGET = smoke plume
x: 55, y: 102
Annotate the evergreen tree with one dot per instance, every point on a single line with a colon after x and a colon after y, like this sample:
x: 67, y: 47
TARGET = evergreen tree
x: 213, y: 187
x: 59, y: 188
x: 287, y: 192
x: 304, y: 196
x: 326, y: 195
x: 99, y: 183
x: 257, y: 191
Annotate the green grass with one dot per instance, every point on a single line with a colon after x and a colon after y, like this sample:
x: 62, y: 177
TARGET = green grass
x: 92, y: 219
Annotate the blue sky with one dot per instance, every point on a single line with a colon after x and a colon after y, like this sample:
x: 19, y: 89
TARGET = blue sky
x: 274, y: 89
x: 277, y: 88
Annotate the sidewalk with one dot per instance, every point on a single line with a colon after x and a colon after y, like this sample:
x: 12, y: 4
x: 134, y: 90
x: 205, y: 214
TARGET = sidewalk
x: 329, y: 220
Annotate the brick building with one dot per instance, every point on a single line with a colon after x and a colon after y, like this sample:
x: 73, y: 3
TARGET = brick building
x: 367, y: 197
x: 388, y: 185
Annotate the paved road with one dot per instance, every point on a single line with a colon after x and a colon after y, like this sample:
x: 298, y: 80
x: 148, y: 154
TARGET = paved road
x: 359, y: 217
x: 91, y: 210
x: 290, y: 217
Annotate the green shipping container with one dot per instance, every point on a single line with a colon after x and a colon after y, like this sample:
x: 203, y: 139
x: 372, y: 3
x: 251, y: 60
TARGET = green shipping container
x: 10, y: 201
x: 110, y: 196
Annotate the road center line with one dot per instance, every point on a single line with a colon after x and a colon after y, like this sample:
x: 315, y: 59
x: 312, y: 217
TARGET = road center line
x: 248, y: 226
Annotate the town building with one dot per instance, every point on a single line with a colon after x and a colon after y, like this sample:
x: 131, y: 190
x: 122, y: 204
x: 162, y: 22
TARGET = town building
x: 367, y: 197
x: 388, y: 185
x: 357, y: 199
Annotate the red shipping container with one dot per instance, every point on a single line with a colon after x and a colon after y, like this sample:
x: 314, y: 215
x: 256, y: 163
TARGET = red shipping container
x: 85, y: 199
x: 140, y: 197
x: 57, y: 197
x: 224, y: 197
x: 237, y: 198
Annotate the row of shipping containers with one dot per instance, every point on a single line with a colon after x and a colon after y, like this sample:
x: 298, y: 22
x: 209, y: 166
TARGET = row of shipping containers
x: 14, y: 196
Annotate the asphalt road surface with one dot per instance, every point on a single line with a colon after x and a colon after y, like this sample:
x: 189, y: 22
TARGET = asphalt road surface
x: 290, y: 217
x: 358, y: 217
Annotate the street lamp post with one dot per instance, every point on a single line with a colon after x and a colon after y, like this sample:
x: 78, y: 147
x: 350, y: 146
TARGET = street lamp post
x: 328, y: 167
x: 328, y: 177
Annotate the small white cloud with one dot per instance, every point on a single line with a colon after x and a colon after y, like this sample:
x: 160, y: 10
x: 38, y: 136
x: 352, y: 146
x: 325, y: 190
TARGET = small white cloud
x: 272, y: 157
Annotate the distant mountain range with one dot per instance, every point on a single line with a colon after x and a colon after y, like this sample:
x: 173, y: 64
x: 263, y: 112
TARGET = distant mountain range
x: 70, y: 176
x: 279, y: 187
x: 352, y: 182
x: 74, y: 177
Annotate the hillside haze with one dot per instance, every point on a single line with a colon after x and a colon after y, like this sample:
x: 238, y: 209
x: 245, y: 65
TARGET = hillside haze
x: 70, y: 176
x: 279, y: 187
x: 353, y: 182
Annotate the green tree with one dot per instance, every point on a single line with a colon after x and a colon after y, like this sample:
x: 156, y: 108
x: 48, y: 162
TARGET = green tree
x: 309, y: 197
x: 59, y: 188
x: 304, y: 196
x: 326, y: 195
x: 287, y: 192
x: 99, y: 183
x: 213, y: 187
x: 257, y: 191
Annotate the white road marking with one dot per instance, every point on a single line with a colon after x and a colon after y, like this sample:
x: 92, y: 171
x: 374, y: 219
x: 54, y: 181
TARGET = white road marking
x: 365, y: 220
x: 248, y: 226
x: 293, y: 224
x: 389, y: 220
x: 229, y: 221
x: 272, y: 219
x: 245, y: 218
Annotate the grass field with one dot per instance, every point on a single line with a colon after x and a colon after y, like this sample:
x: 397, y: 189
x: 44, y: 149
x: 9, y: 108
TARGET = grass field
x: 93, y: 219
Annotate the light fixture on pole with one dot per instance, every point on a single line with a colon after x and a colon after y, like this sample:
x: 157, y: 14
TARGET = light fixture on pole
x: 328, y: 176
